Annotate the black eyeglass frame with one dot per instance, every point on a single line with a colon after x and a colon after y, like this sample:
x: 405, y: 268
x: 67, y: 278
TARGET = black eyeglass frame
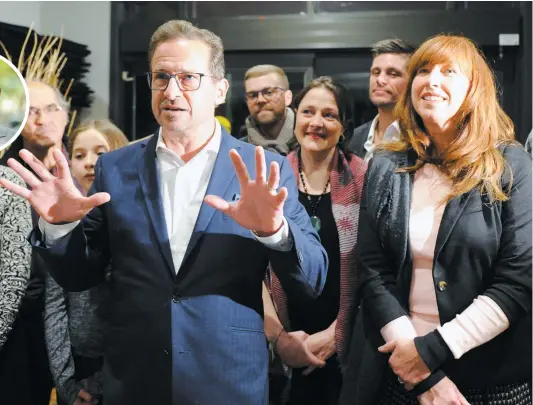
x: 175, y: 76
x: 261, y: 92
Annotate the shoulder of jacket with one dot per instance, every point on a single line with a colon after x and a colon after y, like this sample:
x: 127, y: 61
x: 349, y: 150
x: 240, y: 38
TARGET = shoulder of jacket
x: 146, y: 138
x: 362, y: 128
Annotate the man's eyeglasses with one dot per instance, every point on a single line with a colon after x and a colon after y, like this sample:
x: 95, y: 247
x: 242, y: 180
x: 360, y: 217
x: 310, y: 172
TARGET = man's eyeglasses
x: 268, y: 93
x: 49, y: 109
x: 186, y: 81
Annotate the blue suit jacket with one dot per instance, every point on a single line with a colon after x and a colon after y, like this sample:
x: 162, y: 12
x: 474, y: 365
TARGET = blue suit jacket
x: 196, y: 337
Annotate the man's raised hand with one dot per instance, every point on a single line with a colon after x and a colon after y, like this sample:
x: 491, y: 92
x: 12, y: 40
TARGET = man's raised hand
x: 55, y: 198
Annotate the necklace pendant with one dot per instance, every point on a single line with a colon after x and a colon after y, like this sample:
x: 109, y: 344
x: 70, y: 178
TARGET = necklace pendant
x: 316, y: 222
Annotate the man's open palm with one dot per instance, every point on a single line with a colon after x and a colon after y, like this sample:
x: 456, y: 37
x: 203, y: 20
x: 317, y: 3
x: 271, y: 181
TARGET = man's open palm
x: 260, y: 207
x: 55, y: 198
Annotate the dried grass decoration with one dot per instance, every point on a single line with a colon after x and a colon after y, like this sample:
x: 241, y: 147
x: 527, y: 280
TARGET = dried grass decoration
x: 44, y: 63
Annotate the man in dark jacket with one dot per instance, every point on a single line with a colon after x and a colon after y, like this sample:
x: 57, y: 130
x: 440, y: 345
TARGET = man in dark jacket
x: 388, y: 78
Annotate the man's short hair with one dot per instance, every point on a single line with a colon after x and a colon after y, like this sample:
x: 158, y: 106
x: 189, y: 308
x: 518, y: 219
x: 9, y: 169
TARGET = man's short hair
x: 262, y: 70
x: 396, y: 46
x: 176, y: 29
x: 61, y: 100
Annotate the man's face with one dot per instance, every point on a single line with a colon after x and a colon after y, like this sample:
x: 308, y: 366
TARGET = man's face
x: 388, y: 78
x: 176, y: 110
x: 268, y: 107
x: 46, y: 121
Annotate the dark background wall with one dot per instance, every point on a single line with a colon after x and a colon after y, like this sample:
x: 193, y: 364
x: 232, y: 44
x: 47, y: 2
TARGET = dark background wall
x: 313, y: 38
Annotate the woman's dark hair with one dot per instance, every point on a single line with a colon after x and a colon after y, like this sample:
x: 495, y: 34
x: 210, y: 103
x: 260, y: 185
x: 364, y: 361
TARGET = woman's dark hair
x: 343, y: 100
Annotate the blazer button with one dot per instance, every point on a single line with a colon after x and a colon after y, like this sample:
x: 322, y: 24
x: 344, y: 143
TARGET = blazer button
x: 442, y: 286
x: 176, y: 297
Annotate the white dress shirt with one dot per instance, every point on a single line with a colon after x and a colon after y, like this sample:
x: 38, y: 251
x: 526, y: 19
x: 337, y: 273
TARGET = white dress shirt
x: 392, y: 133
x: 183, y: 188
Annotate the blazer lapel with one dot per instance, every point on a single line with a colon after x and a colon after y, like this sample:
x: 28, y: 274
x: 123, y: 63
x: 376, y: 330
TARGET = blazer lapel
x: 221, y: 177
x: 452, y: 212
x: 364, y: 137
x: 397, y: 221
x: 400, y: 221
x: 150, y: 184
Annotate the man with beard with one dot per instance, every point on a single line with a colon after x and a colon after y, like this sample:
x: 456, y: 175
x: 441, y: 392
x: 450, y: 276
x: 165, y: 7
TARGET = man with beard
x: 388, y: 79
x: 271, y: 121
x: 24, y: 366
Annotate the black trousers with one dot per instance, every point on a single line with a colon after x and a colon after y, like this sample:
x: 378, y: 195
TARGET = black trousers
x: 25, y: 377
x: 321, y: 387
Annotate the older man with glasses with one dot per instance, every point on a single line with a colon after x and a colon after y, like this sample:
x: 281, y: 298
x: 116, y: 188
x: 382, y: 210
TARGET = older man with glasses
x: 45, y: 127
x: 271, y: 121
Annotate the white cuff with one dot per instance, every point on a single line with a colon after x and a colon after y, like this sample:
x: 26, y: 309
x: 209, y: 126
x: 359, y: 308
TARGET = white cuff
x: 52, y: 233
x: 282, y: 240
x: 399, y: 328
x: 482, y: 321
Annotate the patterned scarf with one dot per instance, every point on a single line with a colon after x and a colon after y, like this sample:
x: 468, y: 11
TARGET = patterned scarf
x: 346, y: 187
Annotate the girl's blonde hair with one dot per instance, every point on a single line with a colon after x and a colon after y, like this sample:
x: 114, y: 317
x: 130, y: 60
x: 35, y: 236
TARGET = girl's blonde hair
x: 114, y: 136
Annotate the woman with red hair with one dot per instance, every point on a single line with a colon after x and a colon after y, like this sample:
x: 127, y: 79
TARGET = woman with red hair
x: 444, y: 245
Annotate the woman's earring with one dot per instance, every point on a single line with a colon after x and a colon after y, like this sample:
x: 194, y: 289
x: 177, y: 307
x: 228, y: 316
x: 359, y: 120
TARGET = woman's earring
x: 342, y: 138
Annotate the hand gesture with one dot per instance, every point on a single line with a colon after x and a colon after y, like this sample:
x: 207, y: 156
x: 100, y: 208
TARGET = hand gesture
x: 294, y: 352
x: 55, y: 198
x: 405, y: 361
x: 322, y: 345
x: 260, y: 207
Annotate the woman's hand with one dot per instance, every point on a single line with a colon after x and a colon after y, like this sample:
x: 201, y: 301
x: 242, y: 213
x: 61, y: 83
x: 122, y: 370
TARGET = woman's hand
x: 405, y: 361
x: 322, y: 345
x: 294, y: 352
x: 445, y: 392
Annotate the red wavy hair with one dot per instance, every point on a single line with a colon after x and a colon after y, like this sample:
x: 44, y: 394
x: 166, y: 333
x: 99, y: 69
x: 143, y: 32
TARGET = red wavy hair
x: 472, y: 159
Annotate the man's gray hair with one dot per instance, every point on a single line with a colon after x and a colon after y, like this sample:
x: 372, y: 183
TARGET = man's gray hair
x: 63, y: 103
x: 176, y: 29
x: 61, y: 100
x: 395, y: 46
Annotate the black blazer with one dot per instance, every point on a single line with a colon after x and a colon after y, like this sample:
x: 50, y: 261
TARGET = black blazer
x: 356, y: 143
x: 481, y: 248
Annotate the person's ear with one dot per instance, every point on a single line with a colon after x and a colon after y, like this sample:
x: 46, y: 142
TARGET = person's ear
x: 222, y: 87
x: 288, y: 98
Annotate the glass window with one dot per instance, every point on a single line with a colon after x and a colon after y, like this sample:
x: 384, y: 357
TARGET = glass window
x: 351, y: 6
x: 489, y: 5
x: 207, y: 9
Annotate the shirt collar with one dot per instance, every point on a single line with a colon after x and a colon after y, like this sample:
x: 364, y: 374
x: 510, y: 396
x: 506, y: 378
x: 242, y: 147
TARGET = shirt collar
x: 392, y: 133
x: 212, y: 146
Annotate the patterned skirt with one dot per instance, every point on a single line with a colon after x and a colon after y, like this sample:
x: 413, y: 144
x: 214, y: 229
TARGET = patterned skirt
x: 393, y: 393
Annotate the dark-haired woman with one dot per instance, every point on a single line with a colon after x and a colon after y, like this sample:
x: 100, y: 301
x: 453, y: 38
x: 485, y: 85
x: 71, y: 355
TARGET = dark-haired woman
x: 311, y: 335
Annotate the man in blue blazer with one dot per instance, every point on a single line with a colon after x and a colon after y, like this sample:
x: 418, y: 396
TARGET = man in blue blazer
x: 188, y: 233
